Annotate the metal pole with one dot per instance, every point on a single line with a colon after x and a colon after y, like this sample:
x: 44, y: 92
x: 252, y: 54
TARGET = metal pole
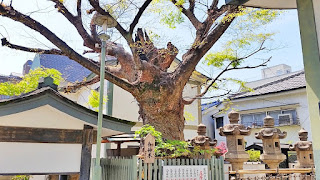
x: 97, y: 169
x: 110, y: 98
x: 109, y: 110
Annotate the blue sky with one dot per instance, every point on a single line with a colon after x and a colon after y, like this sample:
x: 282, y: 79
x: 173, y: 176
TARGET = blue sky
x: 286, y: 41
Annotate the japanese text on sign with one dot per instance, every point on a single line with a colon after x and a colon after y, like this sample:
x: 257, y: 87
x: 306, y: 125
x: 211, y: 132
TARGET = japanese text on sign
x: 185, y: 173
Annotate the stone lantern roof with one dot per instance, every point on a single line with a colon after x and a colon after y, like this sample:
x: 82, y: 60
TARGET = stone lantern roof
x: 202, y: 139
x: 303, y: 144
x: 303, y: 135
x: 269, y: 131
x: 234, y: 128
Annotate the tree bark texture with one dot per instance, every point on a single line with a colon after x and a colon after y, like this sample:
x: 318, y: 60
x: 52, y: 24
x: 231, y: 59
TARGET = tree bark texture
x: 162, y: 108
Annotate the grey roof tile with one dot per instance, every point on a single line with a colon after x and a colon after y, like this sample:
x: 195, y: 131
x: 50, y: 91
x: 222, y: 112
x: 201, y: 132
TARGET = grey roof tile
x: 71, y: 70
x: 294, y: 81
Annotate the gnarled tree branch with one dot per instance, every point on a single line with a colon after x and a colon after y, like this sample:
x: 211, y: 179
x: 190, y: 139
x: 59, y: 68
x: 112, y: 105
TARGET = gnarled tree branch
x: 76, y: 21
x: 76, y: 86
x: 79, y: 8
x: 227, y: 68
x: 192, y: 57
x: 190, y: 15
x: 8, y: 11
x: 5, y: 42
x: 213, y: 14
x: 125, y: 34
x: 192, y: 4
x: 188, y: 102
x: 138, y: 16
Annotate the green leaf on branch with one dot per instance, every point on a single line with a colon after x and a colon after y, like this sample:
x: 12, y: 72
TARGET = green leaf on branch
x: 254, y: 16
x: 29, y: 82
x: 94, y: 99
x: 242, y: 84
x: 172, y: 18
x: 217, y: 59
x: 188, y: 116
x: 169, y: 14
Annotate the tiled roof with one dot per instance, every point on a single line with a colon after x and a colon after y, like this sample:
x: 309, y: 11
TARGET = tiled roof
x: 294, y: 81
x: 71, y: 70
x: 10, y: 78
x: 260, y: 82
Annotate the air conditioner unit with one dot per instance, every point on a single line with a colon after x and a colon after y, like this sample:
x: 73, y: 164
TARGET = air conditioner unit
x: 285, y: 119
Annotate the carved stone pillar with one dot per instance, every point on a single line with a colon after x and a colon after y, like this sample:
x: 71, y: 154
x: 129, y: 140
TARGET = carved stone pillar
x: 203, y: 141
x: 235, y: 133
x: 270, y: 137
x: 304, y: 150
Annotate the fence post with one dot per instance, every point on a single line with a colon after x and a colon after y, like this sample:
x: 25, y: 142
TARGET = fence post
x: 155, y: 167
x: 222, y: 168
x: 134, y: 168
x: 140, y: 169
x: 216, y: 168
x: 160, y: 169
x: 212, y: 167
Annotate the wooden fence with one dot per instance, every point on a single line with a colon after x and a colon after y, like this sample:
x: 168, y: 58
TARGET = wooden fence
x: 116, y: 168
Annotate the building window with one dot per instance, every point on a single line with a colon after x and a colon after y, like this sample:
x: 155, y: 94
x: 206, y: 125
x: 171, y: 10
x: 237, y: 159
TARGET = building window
x: 219, y: 122
x: 281, y: 118
x: 284, y: 117
x: 253, y: 120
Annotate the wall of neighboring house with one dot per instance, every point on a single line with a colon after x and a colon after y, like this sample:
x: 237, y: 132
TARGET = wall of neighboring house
x: 82, y: 95
x: 124, y: 105
x: 207, y: 119
x: 192, y: 112
x: 272, y: 103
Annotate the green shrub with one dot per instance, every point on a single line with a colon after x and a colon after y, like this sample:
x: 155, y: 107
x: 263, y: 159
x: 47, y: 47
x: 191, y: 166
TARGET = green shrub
x: 21, y: 177
x: 173, y: 148
x: 254, y: 156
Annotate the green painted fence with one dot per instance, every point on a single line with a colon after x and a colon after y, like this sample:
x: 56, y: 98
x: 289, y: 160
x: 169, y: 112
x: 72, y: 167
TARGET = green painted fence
x: 117, y: 168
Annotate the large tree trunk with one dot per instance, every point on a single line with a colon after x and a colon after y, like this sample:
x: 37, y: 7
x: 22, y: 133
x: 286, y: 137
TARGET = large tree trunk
x: 163, y: 109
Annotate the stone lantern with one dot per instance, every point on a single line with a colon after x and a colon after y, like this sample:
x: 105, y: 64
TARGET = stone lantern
x: 235, y: 133
x: 304, y: 150
x: 203, y: 141
x: 270, y: 137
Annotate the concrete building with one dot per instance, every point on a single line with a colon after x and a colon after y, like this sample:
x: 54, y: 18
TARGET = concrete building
x: 282, y: 97
x: 275, y: 71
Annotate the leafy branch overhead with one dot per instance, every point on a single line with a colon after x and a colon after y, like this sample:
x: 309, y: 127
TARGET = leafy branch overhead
x: 29, y: 82
x: 143, y: 66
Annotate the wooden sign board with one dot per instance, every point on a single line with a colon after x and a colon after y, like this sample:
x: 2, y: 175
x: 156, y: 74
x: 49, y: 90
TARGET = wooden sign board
x: 149, y: 145
x: 185, y: 173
